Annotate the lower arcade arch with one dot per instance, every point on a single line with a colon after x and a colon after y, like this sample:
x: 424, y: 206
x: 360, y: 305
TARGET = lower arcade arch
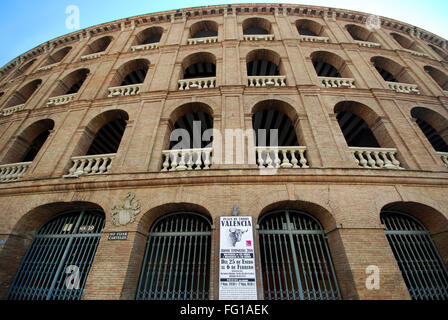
x: 58, y: 261
x: 176, y: 264
x: 295, y: 259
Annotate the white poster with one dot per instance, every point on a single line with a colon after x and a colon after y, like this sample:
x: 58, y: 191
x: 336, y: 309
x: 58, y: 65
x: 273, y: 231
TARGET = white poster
x: 237, y: 260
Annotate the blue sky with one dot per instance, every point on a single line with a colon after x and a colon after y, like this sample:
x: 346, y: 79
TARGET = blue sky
x: 24, y: 24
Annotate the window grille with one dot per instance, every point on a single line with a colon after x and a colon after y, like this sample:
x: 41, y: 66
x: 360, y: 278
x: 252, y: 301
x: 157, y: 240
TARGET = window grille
x: 423, y: 270
x: 56, y: 264
x: 176, y: 264
x: 295, y: 260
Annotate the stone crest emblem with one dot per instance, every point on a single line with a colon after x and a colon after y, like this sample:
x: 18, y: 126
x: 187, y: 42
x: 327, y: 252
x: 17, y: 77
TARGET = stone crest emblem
x: 123, y: 215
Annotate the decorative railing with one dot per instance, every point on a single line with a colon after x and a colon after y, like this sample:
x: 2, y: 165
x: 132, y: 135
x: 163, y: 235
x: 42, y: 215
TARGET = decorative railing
x: 143, y: 47
x: 198, y: 83
x: 187, y: 159
x: 90, y: 165
x: 7, y: 111
x: 129, y: 90
x: 48, y: 67
x: 444, y: 157
x: 256, y: 37
x: 281, y: 157
x: 314, y: 39
x: 93, y: 56
x: 416, y: 53
x: 267, y: 81
x: 376, y: 158
x: 368, y: 44
x: 403, y: 87
x: 56, y: 101
x: 332, y: 82
x: 202, y: 40
x: 13, y: 171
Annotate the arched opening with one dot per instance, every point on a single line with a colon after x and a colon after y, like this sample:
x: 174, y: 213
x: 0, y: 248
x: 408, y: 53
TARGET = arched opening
x: 391, y: 71
x: 22, y: 69
x: 442, y: 54
x: 65, y: 244
x: 328, y: 64
x: 366, y: 137
x: 263, y: 62
x: 198, y: 71
x: 148, y: 36
x: 434, y: 127
x: 440, y: 77
x: 99, y: 144
x: 204, y: 29
x: 57, y: 56
x: 359, y: 33
x: 176, y: 264
x: 421, y: 264
x: 405, y: 42
x: 256, y: 26
x: 303, y: 267
x: 190, y: 138
x: 98, y: 45
x: 277, y: 146
x: 27, y: 145
x: 131, y: 73
x: 307, y: 27
x: 71, y: 83
x: 22, y: 95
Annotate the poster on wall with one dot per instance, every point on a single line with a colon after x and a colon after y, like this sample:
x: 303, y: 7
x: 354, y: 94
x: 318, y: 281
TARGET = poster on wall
x: 237, y: 260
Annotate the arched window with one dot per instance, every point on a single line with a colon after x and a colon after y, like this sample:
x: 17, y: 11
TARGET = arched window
x: 396, y: 76
x: 423, y: 270
x: 256, y: 26
x: 442, y: 54
x: 57, y: 263
x: 71, y: 83
x: 440, y: 77
x: 149, y: 35
x: 406, y: 43
x: 21, y: 70
x: 57, y: 56
x: 98, y: 45
x: 176, y: 265
x: 295, y: 260
x: 198, y: 71
x: 328, y: 64
x: 22, y: 95
x: 307, y: 27
x: 204, y: 29
x: 264, y: 69
x: 433, y: 125
x: 361, y: 34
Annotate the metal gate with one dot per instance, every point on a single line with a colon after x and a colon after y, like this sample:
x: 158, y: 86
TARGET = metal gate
x: 176, y: 265
x: 423, y: 270
x: 295, y: 260
x: 56, y: 265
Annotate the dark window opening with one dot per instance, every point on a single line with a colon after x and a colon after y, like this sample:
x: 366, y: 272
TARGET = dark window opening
x: 35, y: 146
x: 200, y: 70
x: 324, y: 69
x: 434, y: 138
x: 135, y: 77
x: 108, y: 138
x: 356, y: 131
x: 262, y: 68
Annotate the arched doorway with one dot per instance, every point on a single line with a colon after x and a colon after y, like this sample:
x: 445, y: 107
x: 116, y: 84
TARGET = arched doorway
x: 57, y: 263
x: 176, y: 265
x: 295, y: 260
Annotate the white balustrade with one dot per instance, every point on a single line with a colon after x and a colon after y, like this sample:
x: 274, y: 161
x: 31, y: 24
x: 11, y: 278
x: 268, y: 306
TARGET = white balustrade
x: 129, y: 90
x: 59, y: 100
x: 90, y: 165
x: 403, y: 87
x: 7, y: 111
x: 48, y: 67
x: 267, y: 81
x: 376, y: 158
x: 368, y: 44
x: 304, y: 38
x: 444, y: 157
x: 13, y: 171
x: 333, y: 82
x: 143, y: 47
x: 198, y: 83
x: 256, y: 37
x: 93, y: 56
x: 187, y: 159
x: 203, y: 40
x: 415, y: 53
x: 281, y: 157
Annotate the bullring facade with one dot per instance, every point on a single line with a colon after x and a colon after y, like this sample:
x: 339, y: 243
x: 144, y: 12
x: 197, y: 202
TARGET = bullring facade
x: 93, y: 182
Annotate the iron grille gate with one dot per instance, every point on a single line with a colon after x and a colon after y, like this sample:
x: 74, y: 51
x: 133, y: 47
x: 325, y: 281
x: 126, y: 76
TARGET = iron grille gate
x: 176, y: 265
x: 56, y: 265
x: 295, y: 260
x: 422, y: 268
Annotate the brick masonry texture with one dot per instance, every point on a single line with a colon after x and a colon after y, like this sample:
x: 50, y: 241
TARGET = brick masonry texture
x: 346, y: 199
